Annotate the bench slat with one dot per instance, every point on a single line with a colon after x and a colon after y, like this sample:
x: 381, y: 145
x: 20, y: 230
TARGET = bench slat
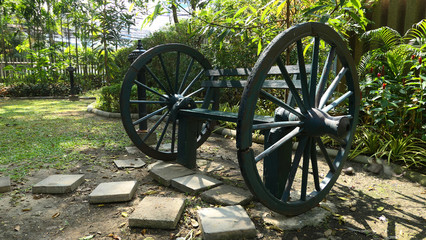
x: 278, y: 84
x: 291, y: 69
x: 202, y: 113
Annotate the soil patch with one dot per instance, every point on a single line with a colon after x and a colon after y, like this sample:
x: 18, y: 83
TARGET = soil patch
x: 368, y: 206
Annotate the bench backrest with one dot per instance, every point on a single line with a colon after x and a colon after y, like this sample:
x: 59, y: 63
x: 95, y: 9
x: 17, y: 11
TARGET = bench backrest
x: 244, y: 72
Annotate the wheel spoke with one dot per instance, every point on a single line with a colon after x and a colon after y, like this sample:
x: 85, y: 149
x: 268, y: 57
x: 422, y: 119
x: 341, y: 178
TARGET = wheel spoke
x: 276, y: 145
x: 177, y: 71
x: 314, y: 161
x: 331, y: 88
x: 305, y: 168
x: 147, y: 101
x: 195, y: 92
x: 263, y: 126
x: 149, y: 116
x: 155, y: 126
x: 314, y: 71
x: 324, y: 75
x: 157, y: 80
x: 303, y: 77
x: 299, y: 152
x: 188, y: 70
x: 193, y: 81
x: 165, y: 72
x: 291, y: 86
x: 149, y: 89
x: 282, y: 104
x: 162, y: 134
x: 337, y: 101
x: 325, y: 153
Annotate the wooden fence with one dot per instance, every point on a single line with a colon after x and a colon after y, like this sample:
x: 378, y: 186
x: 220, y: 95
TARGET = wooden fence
x: 397, y: 14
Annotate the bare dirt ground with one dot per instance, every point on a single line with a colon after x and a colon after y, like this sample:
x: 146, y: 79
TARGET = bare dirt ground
x: 368, y: 206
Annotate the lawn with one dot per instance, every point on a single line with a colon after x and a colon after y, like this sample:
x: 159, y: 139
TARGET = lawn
x: 52, y: 134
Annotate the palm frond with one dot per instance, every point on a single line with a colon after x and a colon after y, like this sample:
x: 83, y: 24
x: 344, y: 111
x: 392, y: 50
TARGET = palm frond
x: 384, y: 38
x: 417, y: 33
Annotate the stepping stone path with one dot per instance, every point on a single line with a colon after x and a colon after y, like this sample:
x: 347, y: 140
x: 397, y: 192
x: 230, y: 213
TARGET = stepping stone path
x: 230, y: 222
x: 129, y: 163
x: 165, y: 172
x: 227, y: 195
x: 157, y: 212
x: 4, y: 184
x: 194, y: 183
x: 60, y: 183
x: 113, y: 192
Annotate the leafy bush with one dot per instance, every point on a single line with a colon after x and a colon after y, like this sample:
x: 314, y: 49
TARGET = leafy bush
x: 393, y: 82
x: 109, y: 98
x: 38, y: 90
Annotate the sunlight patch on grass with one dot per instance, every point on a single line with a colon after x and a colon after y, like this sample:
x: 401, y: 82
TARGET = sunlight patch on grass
x: 46, y: 133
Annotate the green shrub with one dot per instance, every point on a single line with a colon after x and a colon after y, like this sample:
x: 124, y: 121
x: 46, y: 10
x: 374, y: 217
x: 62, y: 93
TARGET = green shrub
x: 38, y: 90
x: 109, y: 98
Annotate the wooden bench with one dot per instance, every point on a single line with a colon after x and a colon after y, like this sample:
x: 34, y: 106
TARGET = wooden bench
x: 188, y: 118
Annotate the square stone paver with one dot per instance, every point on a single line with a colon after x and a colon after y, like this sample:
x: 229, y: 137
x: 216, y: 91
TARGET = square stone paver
x: 157, y: 212
x: 164, y: 173
x: 129, y: 163
x: 133, y: 150
x: 4, y: 184
x: 222, y: 223
x: 60, y: 183
x: 113, y: 192
x: 227, y: 195
x: 194, y: 183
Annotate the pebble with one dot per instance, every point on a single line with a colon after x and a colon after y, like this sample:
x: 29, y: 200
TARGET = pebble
x: 349, y: 171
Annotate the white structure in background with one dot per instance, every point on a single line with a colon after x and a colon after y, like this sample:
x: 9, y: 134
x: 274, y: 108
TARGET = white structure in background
x: 137, y: 32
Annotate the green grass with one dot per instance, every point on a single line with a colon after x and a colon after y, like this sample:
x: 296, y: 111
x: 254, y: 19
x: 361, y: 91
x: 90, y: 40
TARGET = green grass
x: 56, y: 134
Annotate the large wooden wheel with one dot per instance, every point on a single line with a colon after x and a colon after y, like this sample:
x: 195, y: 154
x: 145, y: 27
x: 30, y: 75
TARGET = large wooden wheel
x: 285, y: 176
x: 158, y: 84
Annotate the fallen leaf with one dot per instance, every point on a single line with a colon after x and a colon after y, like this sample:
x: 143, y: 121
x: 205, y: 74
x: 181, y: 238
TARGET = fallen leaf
x: 17, y: 228
x: 122, y: 225
x: 101, y: 205
x: 328, y: 233
x: 26, y: 209
x: 150, y: 192
x: 380, y: 209
x: 343, y: 198
x: 124, y: 214
x: 143, y: 232
x: 87, y: 237
x: 194, y: 223
x: 56, y: 215
x: 273, y: 227
x: 353, y: 209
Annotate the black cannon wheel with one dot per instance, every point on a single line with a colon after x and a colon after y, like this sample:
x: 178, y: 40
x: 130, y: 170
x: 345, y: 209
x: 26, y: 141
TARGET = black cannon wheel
x: 326, y: 105
x: 161, y: 81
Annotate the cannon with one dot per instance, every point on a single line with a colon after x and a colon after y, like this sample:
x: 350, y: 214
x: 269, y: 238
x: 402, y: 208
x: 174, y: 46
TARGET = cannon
x: 306, y: 74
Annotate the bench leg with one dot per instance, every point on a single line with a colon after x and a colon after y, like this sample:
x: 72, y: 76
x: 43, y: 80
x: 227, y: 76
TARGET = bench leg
x: 277, y: 165
x: 187, y: 142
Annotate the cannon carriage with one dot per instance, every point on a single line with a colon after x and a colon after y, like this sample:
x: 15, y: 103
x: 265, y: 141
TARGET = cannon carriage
x: 306, y: 74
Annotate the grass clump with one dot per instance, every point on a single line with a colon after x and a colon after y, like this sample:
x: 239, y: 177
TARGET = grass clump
x: 52, y: 133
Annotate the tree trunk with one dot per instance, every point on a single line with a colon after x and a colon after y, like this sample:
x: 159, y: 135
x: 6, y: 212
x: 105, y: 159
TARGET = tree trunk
x: 174, y: 11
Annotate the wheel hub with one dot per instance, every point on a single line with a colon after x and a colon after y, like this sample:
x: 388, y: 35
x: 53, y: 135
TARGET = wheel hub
x: 317, y: 123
